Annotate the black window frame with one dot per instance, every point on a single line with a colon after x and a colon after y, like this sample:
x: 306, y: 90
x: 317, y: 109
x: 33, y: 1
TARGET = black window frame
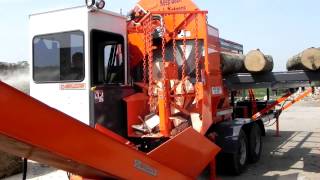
x: 93, y: 69
x: 61, y: 81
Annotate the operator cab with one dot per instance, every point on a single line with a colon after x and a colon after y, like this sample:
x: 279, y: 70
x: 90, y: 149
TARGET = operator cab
x: 79, y: 64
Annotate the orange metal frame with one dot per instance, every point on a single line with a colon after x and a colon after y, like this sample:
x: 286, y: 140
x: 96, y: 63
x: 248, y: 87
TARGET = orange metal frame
x: 43, y: 134
x: 33, y: 130
x: 258, y: 115
x: 211, y: 94
x: 253, y: 101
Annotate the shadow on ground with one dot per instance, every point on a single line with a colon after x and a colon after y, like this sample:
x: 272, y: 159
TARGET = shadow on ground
x: 291, y: 155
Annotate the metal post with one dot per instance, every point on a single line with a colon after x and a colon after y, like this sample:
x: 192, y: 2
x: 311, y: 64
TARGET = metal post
x: 277, y: 127
x: 233, y: 94
x: 24, y: 168
x: 164, y: 109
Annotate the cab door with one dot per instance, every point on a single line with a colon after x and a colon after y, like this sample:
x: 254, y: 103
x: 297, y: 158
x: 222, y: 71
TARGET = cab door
x: 109, y: 81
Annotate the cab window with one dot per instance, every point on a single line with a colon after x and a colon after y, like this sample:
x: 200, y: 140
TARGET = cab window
x: 108, y: 61
x: 58, y: 57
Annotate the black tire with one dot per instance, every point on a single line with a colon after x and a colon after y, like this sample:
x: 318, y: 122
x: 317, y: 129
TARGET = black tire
x: 255, y: 143
x: 239, y: 159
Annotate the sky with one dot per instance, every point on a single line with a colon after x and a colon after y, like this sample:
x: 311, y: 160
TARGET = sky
x: 281, y: 28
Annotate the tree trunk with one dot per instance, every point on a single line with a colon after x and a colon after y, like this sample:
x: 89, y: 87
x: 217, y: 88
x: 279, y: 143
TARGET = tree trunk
x: 257, y: 62
x: 232, y: 63
x: 309, y: 59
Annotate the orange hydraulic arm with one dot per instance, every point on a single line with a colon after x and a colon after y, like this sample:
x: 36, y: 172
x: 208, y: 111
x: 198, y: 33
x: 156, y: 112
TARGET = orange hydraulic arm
x: 264, y: 111
x: 297, y: 99
x: 285, y: 106
x: 279, y: 101
x: 31, y: 129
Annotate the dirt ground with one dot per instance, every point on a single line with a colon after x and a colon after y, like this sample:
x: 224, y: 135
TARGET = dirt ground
x: 293, y: 156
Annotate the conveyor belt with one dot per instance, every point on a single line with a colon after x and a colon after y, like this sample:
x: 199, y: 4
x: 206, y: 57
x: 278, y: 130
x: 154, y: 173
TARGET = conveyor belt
x: 31, y: 129
x: 274, y: 80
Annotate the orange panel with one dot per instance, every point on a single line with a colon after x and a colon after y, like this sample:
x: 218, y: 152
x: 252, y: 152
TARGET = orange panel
x: 113, y: 135
x: 136, y: 106
x: 189, y: 153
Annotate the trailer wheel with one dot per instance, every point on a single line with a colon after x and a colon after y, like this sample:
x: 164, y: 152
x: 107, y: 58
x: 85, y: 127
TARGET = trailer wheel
x: 255, y: 143
x: 241, y: 156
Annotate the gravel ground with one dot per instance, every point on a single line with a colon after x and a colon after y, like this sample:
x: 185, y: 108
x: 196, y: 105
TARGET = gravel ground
x: 293, y: 156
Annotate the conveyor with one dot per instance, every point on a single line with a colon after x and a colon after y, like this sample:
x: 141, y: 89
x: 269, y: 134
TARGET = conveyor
x: 33, y: 130
x: 273, y: 80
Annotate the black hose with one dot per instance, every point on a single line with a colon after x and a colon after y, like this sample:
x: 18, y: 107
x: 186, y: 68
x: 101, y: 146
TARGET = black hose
x: 24, y: 168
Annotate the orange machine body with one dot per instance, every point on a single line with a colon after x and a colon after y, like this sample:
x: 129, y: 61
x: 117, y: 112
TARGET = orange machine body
x: 178, y: 17
x: 191, y: 86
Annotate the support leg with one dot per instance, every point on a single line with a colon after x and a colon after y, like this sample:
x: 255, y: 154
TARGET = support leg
x: 277, y: 127
x: 24, y: 168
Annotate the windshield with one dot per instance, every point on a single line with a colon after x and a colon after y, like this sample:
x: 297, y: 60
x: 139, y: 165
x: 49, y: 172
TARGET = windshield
x: 58, y: 57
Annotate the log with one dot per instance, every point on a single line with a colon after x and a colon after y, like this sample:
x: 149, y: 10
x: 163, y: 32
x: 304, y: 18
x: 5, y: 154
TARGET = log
x: 257, y: 62
x: 232, y: 63
x: 309, y: 59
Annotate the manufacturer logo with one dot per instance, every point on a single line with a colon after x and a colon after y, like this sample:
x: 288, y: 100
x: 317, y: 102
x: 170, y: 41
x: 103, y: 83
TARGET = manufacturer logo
x: 145, y: 168
x: 169, y: 2
x: 73, y: 86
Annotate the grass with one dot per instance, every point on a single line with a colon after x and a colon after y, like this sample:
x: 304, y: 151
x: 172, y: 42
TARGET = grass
x: 262, y: 92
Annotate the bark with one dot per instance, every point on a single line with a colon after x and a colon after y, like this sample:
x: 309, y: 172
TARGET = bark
x: 232, y: 63
x: 309, y: 59
x: 257, y: 62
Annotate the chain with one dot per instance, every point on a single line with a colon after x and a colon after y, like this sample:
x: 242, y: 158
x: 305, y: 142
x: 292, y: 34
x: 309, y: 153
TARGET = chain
x: 145, y: 55
x: 163, y: 40
x: 174, y: 39
x: 197, y: 51
x: 164, y: 61
x: 150, y: 64
x: 184, y: 48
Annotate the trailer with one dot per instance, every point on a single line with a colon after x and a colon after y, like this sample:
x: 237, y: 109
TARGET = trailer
x: 137, y: 97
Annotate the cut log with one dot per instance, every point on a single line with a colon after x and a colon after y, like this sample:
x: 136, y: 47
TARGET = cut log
x: 309, y: 59
x: 257, y: 62
x: 232, y: 63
